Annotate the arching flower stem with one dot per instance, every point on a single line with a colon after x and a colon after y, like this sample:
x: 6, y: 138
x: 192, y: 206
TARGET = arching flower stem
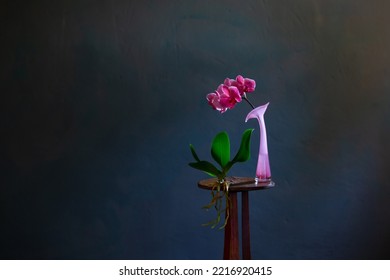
x: 247, y: 100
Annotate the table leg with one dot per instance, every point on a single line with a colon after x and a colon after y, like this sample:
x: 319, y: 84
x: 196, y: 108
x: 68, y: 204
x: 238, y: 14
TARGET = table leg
x: 230, y: 251
x: 246, y: 245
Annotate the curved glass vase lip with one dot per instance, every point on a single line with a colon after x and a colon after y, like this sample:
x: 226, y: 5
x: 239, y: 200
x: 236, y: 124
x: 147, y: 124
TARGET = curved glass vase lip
x: 257, y: 112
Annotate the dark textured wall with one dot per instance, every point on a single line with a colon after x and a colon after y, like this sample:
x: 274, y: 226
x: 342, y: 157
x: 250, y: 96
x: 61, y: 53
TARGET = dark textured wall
x: 100, y: 99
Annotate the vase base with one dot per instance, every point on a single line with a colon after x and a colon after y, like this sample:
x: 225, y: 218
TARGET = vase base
x: 262, y: 180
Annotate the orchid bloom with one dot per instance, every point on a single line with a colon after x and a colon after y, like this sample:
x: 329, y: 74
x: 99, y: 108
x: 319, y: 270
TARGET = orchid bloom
x: 225, y: 97
x: 244, y: 85
x: 230, y: 93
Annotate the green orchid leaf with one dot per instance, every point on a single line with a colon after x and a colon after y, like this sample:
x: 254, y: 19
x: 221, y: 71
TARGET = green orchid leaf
x: 207, y: 167
x: 194, y: 153
x: 243, y: 153
x: 220, y: 149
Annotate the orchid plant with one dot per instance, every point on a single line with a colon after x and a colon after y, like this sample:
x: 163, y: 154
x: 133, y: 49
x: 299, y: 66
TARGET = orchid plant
x: 225, y: 97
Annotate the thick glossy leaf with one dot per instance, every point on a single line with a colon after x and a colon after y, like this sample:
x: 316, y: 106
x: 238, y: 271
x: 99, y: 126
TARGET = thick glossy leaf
x: 243, y: 153
x: 194, y: 153
x: 220, y: 149
x: 207, y: 167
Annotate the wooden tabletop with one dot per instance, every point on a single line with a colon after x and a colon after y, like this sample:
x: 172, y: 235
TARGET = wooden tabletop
x: 237, y: 184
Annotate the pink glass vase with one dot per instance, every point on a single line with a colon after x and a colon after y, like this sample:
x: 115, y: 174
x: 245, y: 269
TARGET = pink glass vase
x: 263, y: 171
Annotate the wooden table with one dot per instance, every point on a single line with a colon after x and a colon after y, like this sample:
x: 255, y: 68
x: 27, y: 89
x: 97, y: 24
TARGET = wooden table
x: 243, y: 185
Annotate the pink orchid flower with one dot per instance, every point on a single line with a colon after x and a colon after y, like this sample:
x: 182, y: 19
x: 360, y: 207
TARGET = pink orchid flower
x: 225, y: 97
x: 244, y: 85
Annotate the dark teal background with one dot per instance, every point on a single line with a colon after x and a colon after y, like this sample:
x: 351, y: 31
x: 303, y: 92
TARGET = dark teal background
x: 100, y: 100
